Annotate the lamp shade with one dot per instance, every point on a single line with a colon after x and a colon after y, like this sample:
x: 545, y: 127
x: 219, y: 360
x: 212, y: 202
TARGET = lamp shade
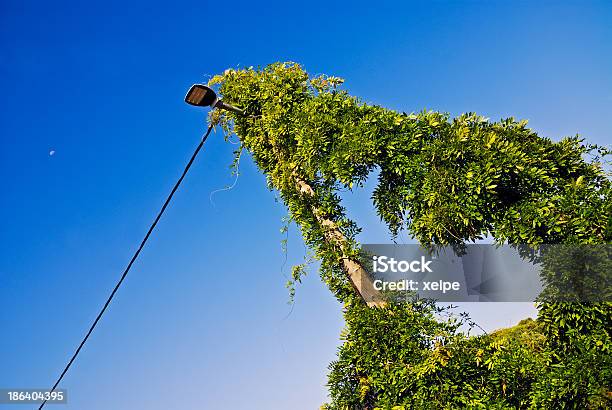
x: 200, y: 96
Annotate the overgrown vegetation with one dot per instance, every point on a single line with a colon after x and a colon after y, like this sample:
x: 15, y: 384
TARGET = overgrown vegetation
x: 446, y: 181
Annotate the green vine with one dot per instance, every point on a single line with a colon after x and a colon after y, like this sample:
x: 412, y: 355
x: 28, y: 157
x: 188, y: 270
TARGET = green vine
x: 446, y: 181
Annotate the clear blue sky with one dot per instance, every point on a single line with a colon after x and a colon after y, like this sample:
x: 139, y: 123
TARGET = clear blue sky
x: 200, y: 322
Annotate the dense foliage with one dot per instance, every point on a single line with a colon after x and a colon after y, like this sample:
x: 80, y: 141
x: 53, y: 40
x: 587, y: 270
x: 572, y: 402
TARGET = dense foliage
x: 446, y: 181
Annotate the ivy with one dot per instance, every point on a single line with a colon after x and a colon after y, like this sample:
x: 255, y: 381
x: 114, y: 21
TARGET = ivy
x: 446, y: 181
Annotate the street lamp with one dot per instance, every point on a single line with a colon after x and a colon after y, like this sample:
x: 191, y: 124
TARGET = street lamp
x: 203, y: 96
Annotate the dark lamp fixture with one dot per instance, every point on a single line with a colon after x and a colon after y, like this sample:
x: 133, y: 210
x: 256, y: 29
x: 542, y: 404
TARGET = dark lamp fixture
x: 203, y: 96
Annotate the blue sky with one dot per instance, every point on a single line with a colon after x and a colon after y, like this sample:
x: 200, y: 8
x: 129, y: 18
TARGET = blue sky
x: 201, y: 322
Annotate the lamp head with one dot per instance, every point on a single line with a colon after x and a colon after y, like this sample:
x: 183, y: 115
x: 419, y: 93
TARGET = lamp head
x: 203, y: 96
x: 200, y: 96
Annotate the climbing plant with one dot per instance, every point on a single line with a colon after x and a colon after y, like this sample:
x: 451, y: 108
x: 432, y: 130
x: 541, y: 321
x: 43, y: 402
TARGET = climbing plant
x: 445, y: 181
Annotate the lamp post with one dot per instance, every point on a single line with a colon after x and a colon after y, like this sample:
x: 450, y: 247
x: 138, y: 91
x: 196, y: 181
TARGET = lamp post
x: 203, y: 96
